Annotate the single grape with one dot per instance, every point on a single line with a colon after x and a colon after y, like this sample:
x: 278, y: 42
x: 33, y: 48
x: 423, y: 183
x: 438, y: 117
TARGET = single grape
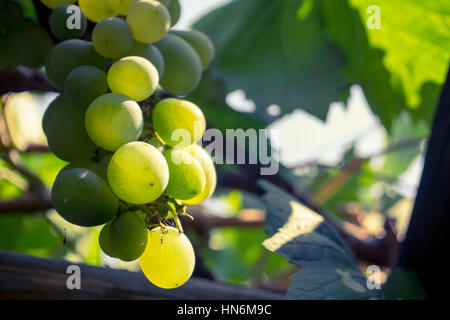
x: 207, y: 165
x: 83, y: 198
x: 11, y: 17
x: 138, y: 173
x: 149, y: 21
x: 97, y: 168
x: 183, y: 69
x: 112, y: 37
x: 135, y: 77
x: 168, y: 260
x: 52, y: 4
x: 103, y: 240
x: 178, y: 122
x: 29, y: 45
x: 85, y: 83
x: 186, y: 177
x: 166, y: 3
x: 97, y: 10
x: 200, y: 42
x: 174, y: 11
x: 113, y: 120
x: 122, y: 6
x: 149, y: 52
x: 63, y: 124
x: 68, y: 55
x: 128, y: 236
x: 58, y: 22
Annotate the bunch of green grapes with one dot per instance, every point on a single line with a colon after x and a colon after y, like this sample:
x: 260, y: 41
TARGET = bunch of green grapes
x: 133, y: 159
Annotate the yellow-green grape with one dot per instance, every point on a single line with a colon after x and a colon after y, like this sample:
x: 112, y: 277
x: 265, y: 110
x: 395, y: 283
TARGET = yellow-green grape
x: 63, y: 124
x: 178, y: 122
x: 52, y: 4
x: 93, y: 166
x: 58, y: 24
x: 11, y: 17
x: 85, y: 83
x: 149, y: 21
x: 97, y: 10
x: 186, y: 177
x: 83, y: 198
x: 149, y: 52
x: 112, y: 37
x: 138, y: 173
x: 68, y: 55
x: 174, y: 11
x: 168, y: 260
x: 207, y: 165
x: 135, y: 77
x: 183, y: 69
x: 122, y: 6
x: 128, y: 236
x: 113, y: 120
x: 200, y: 42
x: 103, y: 240
x: 29, y: 45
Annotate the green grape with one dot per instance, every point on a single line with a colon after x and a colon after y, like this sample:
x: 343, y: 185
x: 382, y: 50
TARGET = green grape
x: 135, y: 77
x: 112, y: 37
x: 68, y: 55
x: 63, y: 124
x: 178, y: 122
x: 103, y: 240
x: 52, y: 4
x: 97, y: 10
x: 200, y: 42
x: 84, y: 84
x: 97, y: 168
x: 122, y: 6
x: 5, y: 56
x: 11, y: 17
x: 183, y: 69
x: 168, y: 260
x: 207, y: 165
x: 174, y: 11
x: 128, y: 236
x: 29, y: 44
x: 186, y: 177
x: 149, y: 21
x: 138, y: 173
x: 149, y: 52
x: 58, y: 21
x: 166, y: 3
x: 113, y: 120
x: 83, y: 198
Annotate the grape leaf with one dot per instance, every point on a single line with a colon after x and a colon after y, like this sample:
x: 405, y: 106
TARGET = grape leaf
x: 328, y: 269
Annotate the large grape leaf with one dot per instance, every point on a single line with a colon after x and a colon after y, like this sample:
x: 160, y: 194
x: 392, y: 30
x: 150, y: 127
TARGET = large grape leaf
x: 328, y: 269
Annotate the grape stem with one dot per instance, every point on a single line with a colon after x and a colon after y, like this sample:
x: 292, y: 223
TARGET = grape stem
x: 178, y: 223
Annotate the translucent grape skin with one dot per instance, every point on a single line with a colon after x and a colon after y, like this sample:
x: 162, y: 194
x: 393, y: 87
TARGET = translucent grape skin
x: 63, y: 124
x: 135, y: 77
x: 168, y: 260
x: 149, y: 52
x: 83, y: 198
x: 138, y: 173
x: 127, y: 236
x: 85, y: 83
x: 149, y: 21
x: 122, y: 6
x: 68, y: 55
x: 97, y: 10
x: 173, y: 114
x: 183, y: 69
x: 103, y: 240
x: 113, y: 120
x: 200, y: 42
x: 52, y: 4
x: 58, y: 24
x: 207, y: 165
x: 186, y: 177
x: 112, y: 37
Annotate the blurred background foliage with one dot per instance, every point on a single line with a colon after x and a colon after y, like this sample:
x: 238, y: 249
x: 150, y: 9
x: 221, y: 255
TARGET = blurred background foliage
x: 353, y: 107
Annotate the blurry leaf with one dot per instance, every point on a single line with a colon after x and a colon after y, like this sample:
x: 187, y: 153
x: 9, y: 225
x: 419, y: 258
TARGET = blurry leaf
x: 328, y: 268
x: 403, y: 284
x: 45, y: 165
x: 88, y: 247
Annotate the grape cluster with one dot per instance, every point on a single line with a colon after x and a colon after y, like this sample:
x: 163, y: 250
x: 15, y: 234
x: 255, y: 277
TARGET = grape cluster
x: 129, y: 139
